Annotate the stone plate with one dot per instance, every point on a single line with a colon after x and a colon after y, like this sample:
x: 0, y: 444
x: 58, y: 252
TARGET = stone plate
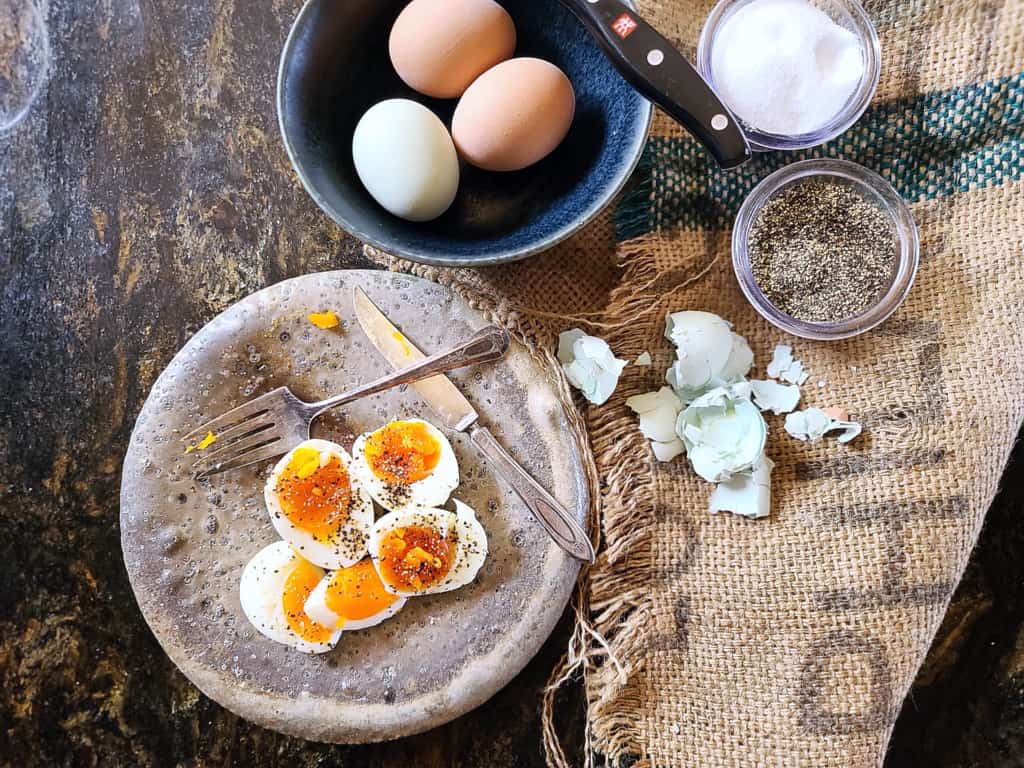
x: 185, y: 542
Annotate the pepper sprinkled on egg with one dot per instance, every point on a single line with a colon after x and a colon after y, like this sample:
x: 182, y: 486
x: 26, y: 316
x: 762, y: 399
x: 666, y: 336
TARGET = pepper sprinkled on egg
x: 307, y: 590
x: 318, y: 506
x: 404, y: 464
x: 421, y: 551
x: 415, y: 557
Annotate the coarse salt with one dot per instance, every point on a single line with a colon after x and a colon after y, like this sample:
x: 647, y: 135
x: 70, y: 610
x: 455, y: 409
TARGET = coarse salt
x: 785, y: 67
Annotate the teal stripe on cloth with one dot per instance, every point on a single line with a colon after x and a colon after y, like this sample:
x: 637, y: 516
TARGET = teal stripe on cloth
x: 930, y: 146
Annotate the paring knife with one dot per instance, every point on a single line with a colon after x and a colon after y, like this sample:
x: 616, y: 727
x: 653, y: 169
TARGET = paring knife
x: 653, y: 66
x: 458, y: 414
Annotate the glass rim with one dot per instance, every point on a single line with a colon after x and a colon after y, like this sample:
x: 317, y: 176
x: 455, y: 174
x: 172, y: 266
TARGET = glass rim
x: 862, y: 178
x: 763, y: 141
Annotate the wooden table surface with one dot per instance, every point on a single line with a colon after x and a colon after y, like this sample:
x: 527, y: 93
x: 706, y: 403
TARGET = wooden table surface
x: 146, y: 190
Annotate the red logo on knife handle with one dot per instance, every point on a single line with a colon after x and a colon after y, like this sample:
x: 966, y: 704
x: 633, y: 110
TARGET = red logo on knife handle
x: 624, y: 26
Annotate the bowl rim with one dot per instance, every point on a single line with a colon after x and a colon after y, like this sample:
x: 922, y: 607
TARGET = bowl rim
x: 579, y: 221
x: 865, y: 180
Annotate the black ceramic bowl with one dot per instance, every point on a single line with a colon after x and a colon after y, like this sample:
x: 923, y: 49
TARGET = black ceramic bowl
x: 335, y: 66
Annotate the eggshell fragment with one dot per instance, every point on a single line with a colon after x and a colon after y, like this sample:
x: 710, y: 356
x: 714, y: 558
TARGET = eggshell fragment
x: 778, y: 398
x: 723, y: 431
x: 708, y: 353
x: 784, y: 367
x: 667, y: 451
x: 814, y: 423
x: 658, y: 412
x: 748, y: 494
x: 439, y: 47
x: 514, y: 115
x: 589, y: 364
x: 836, y: 413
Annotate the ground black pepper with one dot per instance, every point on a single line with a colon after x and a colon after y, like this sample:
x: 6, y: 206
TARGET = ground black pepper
x: 822, y: 251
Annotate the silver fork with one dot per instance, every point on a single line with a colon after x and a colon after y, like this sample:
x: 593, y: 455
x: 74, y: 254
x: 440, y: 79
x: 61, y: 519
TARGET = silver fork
x: 272, y: 424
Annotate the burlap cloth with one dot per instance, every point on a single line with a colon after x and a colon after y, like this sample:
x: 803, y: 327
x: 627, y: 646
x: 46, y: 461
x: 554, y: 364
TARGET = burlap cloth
x: 718, y: 641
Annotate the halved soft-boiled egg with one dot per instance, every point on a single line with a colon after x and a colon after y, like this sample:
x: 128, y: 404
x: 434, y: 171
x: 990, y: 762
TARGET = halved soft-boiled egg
x: 318, y: 506
x: 407, y: 463
x: 352, y: 598
x: 274, y: 589
x: 426, y: 551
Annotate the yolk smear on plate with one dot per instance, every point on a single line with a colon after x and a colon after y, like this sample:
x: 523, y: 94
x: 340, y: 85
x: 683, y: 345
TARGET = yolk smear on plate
x: 324, y: 320
x: 415, y: 557
x: 315, y: 496
x: 297, y: 587
x: 403, y: 452
x: 206, y: 442
x: 357, y: 593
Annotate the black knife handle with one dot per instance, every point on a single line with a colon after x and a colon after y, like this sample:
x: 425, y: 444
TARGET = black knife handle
x: 653, y: 66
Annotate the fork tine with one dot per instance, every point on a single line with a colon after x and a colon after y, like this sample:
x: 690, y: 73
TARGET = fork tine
x: 236, y: 450
x: 231, y: 435
x: 244, y: 412
x: 253, y: 457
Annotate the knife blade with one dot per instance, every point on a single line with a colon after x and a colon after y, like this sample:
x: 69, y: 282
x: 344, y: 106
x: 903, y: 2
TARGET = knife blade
x: 439, y: 392
x: 457, y: 413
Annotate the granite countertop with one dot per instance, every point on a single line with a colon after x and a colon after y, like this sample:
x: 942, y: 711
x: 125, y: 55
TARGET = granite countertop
x: 146, y: 190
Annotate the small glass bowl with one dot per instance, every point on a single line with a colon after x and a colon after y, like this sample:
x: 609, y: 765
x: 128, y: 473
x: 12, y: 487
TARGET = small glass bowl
x: 846, y: 13
x: 873, y: 187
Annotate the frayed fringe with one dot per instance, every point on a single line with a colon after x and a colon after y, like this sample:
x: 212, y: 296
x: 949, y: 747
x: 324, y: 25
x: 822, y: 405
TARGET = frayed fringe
x: 614, y: 622
x: 576, y: 661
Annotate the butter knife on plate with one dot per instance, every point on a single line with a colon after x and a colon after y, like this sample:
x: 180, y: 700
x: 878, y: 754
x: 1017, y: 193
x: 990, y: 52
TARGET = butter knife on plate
x: 458, y: 414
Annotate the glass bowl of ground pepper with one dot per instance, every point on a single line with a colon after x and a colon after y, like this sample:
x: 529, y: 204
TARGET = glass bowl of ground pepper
x: 825, y: 249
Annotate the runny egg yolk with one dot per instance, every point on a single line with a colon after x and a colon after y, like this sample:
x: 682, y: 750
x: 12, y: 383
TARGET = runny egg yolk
x: 300, y: 582
x: 415, y: 557
x: 357, y: 593
x: 315, y: 498
x: 403, y: 452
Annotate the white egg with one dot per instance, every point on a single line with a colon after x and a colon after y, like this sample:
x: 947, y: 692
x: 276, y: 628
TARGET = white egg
x: 262, y: 591
x: 318, y: 505
x: 407, y: 463
x: 405, y: 158
x: 426, y: 551
x: 352, y: 598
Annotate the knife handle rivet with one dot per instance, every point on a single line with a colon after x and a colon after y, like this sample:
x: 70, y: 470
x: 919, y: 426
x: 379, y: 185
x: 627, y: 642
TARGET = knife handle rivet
x: 655, y: 57
x: 719, y: 122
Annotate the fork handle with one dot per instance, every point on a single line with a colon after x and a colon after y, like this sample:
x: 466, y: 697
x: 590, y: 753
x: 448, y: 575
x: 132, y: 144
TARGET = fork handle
x: 555, y: 518
x: 486, y: 345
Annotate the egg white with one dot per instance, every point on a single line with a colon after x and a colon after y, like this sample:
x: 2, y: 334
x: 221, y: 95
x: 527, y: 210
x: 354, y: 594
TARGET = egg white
x: 431, y: 491
x: 405, y: 157
x: 470, y: 551
x: 349, y: 546
x: 316, y: 608
x: 261, y: 593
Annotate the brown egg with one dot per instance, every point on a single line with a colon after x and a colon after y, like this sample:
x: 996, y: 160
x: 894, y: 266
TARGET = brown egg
x: 513, y: 115
x: 439, y: 47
